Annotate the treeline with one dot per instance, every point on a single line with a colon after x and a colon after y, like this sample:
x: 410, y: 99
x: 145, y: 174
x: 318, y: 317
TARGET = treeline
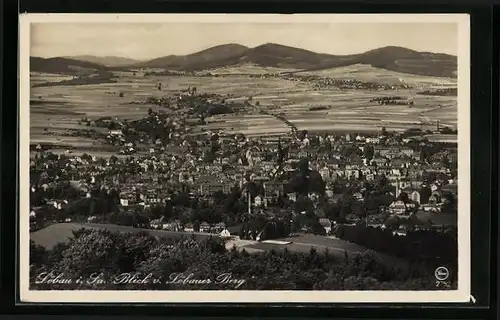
x: 440, y: 92
x: 100, y: 77
x: 432, y: 248
x: 392, y: 100
x: 101, y: 252
x: 318, y: 108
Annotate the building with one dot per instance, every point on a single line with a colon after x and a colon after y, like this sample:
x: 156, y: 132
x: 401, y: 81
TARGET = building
x: 412, y: 193
x: 204, y: 227
x: 225, y: 233
x: 327, y: 224
x: 115, y: 132
x: 397, y: 207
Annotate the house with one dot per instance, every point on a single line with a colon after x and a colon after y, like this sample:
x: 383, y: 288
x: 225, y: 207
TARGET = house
x: 211, y: 187
x: 219, y: 227
x: 273, y: 189
x: 313, y: 196
x: 435, y: 198
x: 327, y: 224
x: 413, y: 194
x: 91, y: 219
x: 292, y: 196
x: 374, y: 140
x: 397, y: 207
x: 352, y: 174
x: 379, y: 161
x: 329, y: 193
x: 258, y: 201
x: 333, y: 163
x: 225, y: 233
x: 189, y: 227
x: 115, y: 132
x: 407, y: 151
x: 172, y: 226
x: 358, y: 196
x: 204, y: 227
x: 325, y: 173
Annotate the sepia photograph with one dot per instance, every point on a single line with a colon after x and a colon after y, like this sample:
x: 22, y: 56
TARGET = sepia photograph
x: 244, y: 158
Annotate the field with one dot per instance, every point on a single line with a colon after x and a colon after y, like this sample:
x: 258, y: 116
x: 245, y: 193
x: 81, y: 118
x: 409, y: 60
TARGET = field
x: 59, y: 232
x: 368, y: 73
x: 57, y: 108
x: 248, y: 68
x: 41, y: 77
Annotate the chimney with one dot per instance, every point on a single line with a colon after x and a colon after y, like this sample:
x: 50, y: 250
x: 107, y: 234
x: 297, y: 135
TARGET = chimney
x: 397, y: 188
x: 249, y: 203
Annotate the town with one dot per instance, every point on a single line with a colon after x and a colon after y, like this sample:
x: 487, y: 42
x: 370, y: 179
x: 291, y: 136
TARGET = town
x: 168, y: 177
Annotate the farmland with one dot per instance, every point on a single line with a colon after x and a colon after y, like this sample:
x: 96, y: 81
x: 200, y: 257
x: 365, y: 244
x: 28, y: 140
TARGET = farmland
x: 57, y: 108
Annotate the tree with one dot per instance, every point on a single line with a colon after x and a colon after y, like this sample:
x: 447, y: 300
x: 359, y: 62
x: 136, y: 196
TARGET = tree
x: 107, y: 253
x: 425, y: 193
x: 369, y: 152
x: 316, y: 183
x: 61, y: 216
x: 302, y: 134
x: 384, y: 132
x: 450, y: 203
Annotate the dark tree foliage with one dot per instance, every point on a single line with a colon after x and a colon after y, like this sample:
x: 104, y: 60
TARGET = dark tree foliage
x: 432, y: 247
x: 103, y: 254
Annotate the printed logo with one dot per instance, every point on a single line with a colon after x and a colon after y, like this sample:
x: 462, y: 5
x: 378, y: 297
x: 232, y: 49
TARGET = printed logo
x: 442, y: 274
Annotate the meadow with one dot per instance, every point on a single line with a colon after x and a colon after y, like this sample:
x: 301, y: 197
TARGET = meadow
x: 368, y: 73
x: 56, y: 108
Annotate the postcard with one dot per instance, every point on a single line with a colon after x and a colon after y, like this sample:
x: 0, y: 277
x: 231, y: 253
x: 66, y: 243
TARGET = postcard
x: 197, y: 158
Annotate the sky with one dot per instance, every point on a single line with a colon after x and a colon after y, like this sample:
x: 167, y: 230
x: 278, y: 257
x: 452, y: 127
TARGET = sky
x: 148, y: 41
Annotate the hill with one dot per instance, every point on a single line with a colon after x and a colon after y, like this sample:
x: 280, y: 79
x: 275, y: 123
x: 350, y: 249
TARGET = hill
x: 368, y: 73
x: 214, y: 57
x: 279, y: 56
x: 63, y: 66
x: 409, y: 61
x: 269, y: 55
x: 108, y: 61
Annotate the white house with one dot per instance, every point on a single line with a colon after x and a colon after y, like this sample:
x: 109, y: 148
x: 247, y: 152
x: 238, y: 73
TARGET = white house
x: 397, y: 207
x: 374, y: 140
x: 225, y: 233
x: 258, y: 201
x: 327, y: 224
x: 115, y: 132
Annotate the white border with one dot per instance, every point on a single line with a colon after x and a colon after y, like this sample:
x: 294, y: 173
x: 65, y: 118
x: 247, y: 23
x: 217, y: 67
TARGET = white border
x: 460, y: 295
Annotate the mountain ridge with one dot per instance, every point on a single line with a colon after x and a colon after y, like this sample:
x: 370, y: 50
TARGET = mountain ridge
x: 391, y: 58
x: 108, y: 61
